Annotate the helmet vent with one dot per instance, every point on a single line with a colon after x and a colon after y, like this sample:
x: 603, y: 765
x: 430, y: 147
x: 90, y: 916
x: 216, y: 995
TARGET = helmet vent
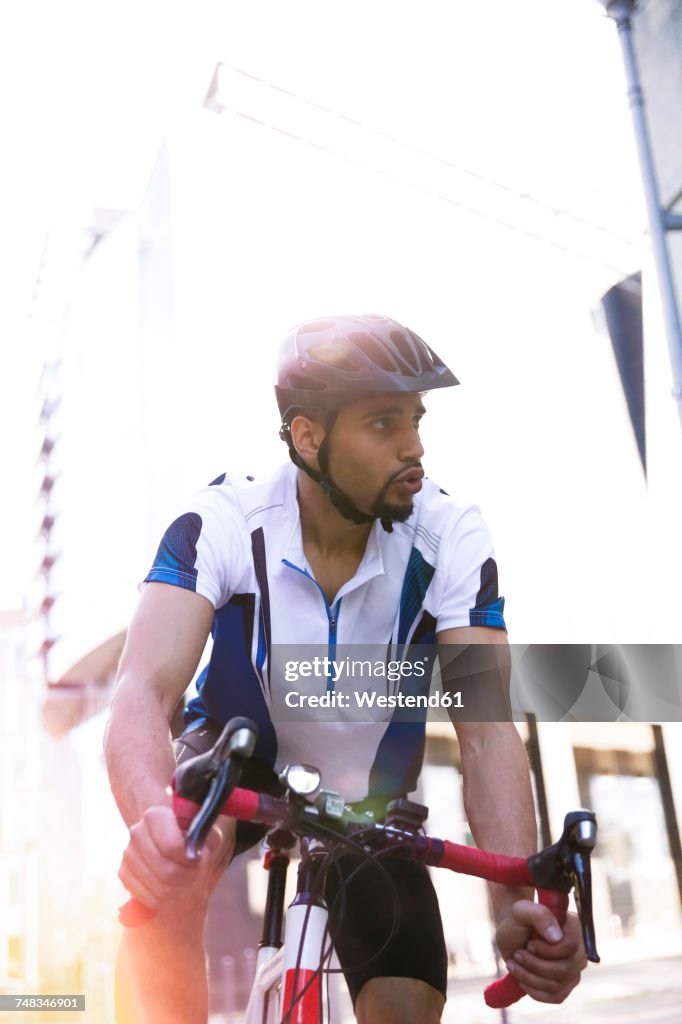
x: 334, y: 353
x: 407, y: 352
x: 373, y: 350
x: 426, y: 359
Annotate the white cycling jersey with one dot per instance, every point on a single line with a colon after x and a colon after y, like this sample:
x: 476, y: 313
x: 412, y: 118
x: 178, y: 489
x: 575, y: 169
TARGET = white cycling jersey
x: 239, y: 544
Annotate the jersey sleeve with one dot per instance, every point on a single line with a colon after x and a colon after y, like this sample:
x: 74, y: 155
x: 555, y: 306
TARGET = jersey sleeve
x: 202, y: 550
x: 469, y: 593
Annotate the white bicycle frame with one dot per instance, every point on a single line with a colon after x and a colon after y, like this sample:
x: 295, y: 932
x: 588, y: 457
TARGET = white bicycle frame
x: 296, y: 964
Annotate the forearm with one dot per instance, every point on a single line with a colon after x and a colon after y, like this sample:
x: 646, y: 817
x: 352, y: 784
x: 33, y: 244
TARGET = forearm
x: 163, y: 647
x: 498, y: 799
x: 138, y: 750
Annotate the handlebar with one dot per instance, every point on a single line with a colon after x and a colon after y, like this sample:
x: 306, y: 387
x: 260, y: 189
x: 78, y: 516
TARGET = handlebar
x: 205, y: 787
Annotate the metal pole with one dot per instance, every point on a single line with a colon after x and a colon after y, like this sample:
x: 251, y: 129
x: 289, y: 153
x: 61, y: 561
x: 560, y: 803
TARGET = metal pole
x: 663, y: 776
x: 535, y: 760
x: 620, y: 11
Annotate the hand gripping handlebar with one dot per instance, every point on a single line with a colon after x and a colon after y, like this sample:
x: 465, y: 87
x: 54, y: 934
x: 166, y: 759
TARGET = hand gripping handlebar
x: 553, y: 873
x: 205, y: 782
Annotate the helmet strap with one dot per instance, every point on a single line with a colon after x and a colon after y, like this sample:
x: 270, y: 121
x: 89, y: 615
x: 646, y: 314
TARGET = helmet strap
x: 341, y: 502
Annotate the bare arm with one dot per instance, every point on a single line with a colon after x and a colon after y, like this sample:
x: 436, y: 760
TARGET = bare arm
x: 498, y: 802
x: 164, y: 644
x: 498, y: 799
x: 165, y: 641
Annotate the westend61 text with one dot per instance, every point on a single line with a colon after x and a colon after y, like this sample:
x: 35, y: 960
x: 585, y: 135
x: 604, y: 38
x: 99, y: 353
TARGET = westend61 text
x: 294, y: 699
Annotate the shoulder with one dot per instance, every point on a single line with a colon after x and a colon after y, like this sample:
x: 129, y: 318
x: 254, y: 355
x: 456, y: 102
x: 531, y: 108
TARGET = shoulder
x: 439, y: 507
x: 441, y: 522
x: 267, y: 500
x: 466, y: 579
x: 244, y: 499
x: 207, y: 548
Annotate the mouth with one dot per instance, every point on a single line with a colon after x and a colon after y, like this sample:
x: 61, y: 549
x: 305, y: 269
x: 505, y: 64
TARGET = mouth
x: 410, y: 481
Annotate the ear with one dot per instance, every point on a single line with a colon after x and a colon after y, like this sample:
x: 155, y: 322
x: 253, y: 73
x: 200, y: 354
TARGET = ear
x: 307, y: 435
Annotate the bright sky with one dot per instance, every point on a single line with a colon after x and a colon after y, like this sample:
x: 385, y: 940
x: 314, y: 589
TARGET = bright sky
x: 468, y: 118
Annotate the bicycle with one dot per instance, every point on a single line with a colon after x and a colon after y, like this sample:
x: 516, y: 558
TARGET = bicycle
x: 289, y: 970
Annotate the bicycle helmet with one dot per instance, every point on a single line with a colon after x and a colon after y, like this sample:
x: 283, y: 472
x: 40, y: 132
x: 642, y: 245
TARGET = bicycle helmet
x: 327, y: 362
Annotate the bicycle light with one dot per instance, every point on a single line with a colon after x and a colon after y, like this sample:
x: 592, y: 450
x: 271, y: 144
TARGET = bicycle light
x: 301, y: 779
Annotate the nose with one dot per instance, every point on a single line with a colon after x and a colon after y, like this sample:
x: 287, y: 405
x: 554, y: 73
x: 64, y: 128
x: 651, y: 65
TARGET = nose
x: 411, y: 447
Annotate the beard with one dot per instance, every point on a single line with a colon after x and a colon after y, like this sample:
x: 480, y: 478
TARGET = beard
x: 384, y: 509
x: 389, y: 510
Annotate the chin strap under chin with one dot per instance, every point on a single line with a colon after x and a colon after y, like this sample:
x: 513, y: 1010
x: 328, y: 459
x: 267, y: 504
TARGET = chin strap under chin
x: 339, y: 500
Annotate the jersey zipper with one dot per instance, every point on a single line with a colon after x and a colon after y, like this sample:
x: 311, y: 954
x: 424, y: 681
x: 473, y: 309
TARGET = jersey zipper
x: 332, y: 619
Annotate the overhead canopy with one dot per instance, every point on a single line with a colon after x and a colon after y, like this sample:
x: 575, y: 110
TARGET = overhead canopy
x: 84, y: 689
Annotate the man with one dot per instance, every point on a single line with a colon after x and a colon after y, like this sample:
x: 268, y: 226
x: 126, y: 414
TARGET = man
x: 351, y: 544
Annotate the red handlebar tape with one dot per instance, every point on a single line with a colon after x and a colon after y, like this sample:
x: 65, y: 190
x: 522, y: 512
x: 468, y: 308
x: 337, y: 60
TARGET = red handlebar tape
x: 469, y: 860
x: 241, y: 804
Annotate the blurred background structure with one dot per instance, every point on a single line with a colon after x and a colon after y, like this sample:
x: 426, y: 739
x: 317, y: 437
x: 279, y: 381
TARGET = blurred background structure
x: 449, y: 173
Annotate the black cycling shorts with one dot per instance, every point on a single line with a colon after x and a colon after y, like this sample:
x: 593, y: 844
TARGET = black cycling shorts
x: 362, y: 918
x: 361, y: 934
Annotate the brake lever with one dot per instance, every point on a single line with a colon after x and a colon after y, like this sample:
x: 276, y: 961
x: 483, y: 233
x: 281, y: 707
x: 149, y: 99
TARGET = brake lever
x: 222, y: 784
x: 566, y: 865
x: 192, y: 779
x: 210, y: 778
x: 581, y: 874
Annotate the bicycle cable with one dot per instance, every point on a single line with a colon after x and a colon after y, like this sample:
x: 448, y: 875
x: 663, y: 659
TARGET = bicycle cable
x: 332, y: 857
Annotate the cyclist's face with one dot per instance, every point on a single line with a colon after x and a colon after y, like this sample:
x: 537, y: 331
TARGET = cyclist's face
x: 375, y: 453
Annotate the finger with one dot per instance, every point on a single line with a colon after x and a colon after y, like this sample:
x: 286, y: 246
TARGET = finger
x: 221, y: 842
x: 556, y: 970
x: 142, y: 851
x: 545, y: 990
x: 563, y: 950
x: 214, y: 840
x: 539, y: 918
x: 162, y: 827
x: 155, y: 873
x: 147, y: 894
x: 512, y: 933
x: 571, y: 943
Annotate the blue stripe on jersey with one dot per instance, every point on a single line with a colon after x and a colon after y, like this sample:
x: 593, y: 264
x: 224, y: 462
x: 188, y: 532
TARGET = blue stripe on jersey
x: 489, y: 607
x: 492, y: 615
x: 262, y: 649
x: 400, y: 754
x: 399, y: 759
x: 488, y: 591
x: 425, y: 633
x: 260, y: 565
x: 177, y: 555
x: 228, y: 686
x: 418, y: 576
